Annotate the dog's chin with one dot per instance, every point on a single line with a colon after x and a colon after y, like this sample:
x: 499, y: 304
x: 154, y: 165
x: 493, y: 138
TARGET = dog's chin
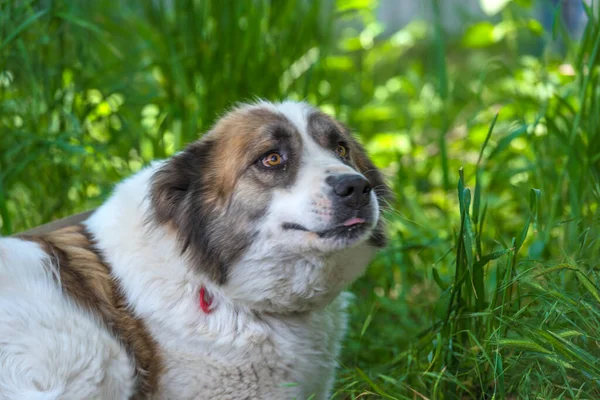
x: 334, y: 238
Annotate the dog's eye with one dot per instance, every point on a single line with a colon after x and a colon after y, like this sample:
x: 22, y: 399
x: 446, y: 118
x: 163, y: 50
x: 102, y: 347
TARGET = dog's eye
x: 341, y: 150
x: 272, y: 160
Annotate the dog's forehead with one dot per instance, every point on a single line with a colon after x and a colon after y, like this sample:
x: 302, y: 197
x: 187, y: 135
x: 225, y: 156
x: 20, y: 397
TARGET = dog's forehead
x: 297, y: 114
x: 317, y: 131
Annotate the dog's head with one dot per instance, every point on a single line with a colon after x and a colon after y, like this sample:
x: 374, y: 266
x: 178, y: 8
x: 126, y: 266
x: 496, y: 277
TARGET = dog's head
x: 278, y: 205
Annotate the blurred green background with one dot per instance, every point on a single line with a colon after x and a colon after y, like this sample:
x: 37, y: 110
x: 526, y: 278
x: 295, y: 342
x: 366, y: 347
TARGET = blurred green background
x: 485, y: 116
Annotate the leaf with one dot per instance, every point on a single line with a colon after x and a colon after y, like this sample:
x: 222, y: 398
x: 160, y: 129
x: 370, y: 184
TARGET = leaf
x: 479, y: 35
x: 499, y: 373
x: 477, y: 195
x: 523, y: 344
x: 523, y: 235
x: 534, y: 204
x: 461, y: 189
x: 374, y: 385
x: 80, y: 22
x: 345, y: 5
x: 438, y: 279
x: 468, y: 234
x: 366, y: 324
x: 569, y: 333
x: 479, y: 172
x: 559, y: 267
x: 492, y: 256
x: 22, y: 27
x: 571, y: 351
x: 487, y: 138
x: 493, y: 7
x: 506, y: 140
x: 588, y: 284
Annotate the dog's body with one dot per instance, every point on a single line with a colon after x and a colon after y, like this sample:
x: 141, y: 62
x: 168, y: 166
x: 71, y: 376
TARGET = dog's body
x: 213, y: 275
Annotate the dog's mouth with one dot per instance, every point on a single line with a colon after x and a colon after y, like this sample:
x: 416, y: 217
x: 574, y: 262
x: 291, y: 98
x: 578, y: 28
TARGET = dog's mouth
x: 353, y: 228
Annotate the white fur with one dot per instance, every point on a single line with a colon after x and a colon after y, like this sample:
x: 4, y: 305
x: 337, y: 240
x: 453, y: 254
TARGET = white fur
x: 51, y: 349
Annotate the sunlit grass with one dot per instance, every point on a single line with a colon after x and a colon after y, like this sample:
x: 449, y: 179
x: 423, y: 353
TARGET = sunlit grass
x: 489, y: 287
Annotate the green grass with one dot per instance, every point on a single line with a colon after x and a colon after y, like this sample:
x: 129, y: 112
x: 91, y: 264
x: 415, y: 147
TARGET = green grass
x: 490, y: 138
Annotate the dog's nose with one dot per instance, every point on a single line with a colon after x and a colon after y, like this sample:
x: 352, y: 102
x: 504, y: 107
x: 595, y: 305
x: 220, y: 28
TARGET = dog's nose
x: 354, y: 190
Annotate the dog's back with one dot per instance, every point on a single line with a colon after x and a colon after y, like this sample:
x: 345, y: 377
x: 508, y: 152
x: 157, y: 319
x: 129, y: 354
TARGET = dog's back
x: 57, y: 300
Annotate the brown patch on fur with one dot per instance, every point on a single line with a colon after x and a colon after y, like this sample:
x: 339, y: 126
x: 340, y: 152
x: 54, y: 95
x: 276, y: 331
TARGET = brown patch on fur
x: 238, y: 139
x: 87, y: 279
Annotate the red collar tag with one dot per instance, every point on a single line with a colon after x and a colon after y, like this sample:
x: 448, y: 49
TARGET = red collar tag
x: 205, y: 301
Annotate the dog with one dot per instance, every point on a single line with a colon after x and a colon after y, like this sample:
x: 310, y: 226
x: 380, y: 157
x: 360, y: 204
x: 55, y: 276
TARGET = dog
x: 215, y: 274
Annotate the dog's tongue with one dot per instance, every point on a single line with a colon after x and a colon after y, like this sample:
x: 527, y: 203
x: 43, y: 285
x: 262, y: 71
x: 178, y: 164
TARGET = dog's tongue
x: 353, y: 221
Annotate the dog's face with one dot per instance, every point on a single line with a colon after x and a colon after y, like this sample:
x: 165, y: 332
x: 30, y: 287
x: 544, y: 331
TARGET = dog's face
x: 265, y: 202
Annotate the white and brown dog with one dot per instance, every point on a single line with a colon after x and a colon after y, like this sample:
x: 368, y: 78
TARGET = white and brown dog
x: 216, y: 274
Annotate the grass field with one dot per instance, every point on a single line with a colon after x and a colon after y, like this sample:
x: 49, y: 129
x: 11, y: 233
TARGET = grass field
x: 490, y: 287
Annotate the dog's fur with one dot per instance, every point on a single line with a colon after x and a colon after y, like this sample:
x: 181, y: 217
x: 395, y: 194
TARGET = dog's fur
x: 109, y: 309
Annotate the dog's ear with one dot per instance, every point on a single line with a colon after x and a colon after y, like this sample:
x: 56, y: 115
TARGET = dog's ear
x: 179, y: 192
x: 172, y: 182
